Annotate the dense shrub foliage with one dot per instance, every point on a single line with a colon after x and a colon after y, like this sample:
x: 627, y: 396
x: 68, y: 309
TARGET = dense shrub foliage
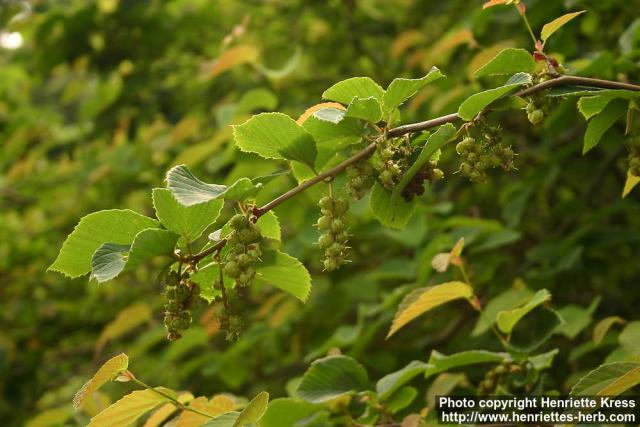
x: 491, y: 249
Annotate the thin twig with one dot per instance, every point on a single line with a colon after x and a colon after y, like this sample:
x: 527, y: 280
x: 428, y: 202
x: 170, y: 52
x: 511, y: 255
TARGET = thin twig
x: 412, y: 128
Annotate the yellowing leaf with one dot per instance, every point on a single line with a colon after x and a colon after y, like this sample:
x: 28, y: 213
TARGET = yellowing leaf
x: 107, y: 372
x: 441, y: 261
x: 492, y: 3
x: 165, y: 411
x: 237, y: 55
x: 309, y: 111
x: 603, y: 326
x: 131, y: 407
x: 631, y: 182
x: 214, y: 407
x: 556, y: 24
x: 424, y: 299
x: 125, y: 321
x: 404, y: 41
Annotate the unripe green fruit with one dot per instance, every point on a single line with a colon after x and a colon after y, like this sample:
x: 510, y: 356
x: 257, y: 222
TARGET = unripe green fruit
x: 437, y: 174
x: 325, y: 203
x: 500, y: 370
x: 182, y: 292
x: 395, y: 169
x: 245, y: 235
x: 487, y: 384
x: 171, y: 293
x: 244, y: 260
x: 334, y: 250
x: 325, y: 240
x: 238, y: 221
x: 531, y: 107
x: 337, y: 225
x: 386, y: 178
x: 386, y: 154
x: 172, y: 305
x: 536, y: 116
x: 254, y: 253
x: 231, y: 269
x: 341, y: 206
x: 233, y: 239
x: 331, y: 264
x: 352, y: 172
x: 472, y: 157
x: 172, y: 279
x: 462, y: 147
x: 238, y: 248
x: 465, y: 169
x: 324, y: 222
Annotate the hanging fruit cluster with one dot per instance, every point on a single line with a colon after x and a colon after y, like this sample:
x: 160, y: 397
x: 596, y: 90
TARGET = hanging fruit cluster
x: 634, y: 155
x: 359, y: 179
x: 334, y: 237
x: 182, y: 295
x: 415, y: 187
x: 244, y: 253
x: 480, y: 156
x: 538, y: 104
x: 390, y: 160
x: 497, y: 377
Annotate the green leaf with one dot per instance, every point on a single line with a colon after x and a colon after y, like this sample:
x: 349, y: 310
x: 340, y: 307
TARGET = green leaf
x: 188, y: 221
x: 331, y: 138
x: 435, y: 141
x: 507, y: 300
x: 421, y: 300
x: 204, y: 277
x: 603, y: 326
x: 109, y: 226
x: 556, y: 24
x: 286, y: 412
x: 275, y: 136
x: 508, y: 319
x: 131, y: 407
x: 253, y: 411
x: 440, y: 363
x: 330, y: 114
x: 108, y: 261
x: 534, y: 330
x: 576, y: 318
x: 544, y: 360
x: 388, y: 384
x: 390, y: 208
x: 285, y: 272
x: 365, y: 108
x: 149, y: 244
x: 346, y: 90
x: 401, y: 399
x: 589, y: 106
x: 332, y: 377
x: 508, y: 61
x: 228, y: 419
x: 611, y: 379
x: 470, y: 108
x: 189, y: 190
x: 269, y: 226
x: 602, y: 122
x: 630, y: 338
x: 402, y: 89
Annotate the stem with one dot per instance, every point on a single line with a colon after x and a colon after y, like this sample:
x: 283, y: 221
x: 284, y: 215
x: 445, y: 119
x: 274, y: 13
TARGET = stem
x: 171, y: 399
x: 411, y: 128
x: 526, y: 22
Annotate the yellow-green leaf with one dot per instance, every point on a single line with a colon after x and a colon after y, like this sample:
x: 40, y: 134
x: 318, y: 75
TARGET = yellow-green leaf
x: 611, y: 379
x: 508, y: 319
x: 603, y: 326
x: 254, y: 410
x: 424, y: 299
x: 131, y: 407
x: 107, y: 372
x: 631, y: 182
x: 556, y: 24
x: 214, y: 407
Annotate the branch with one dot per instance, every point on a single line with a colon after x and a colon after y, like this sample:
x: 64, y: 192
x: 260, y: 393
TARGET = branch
x: 418, y: 127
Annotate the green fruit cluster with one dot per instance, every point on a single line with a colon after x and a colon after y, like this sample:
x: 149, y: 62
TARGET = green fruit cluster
x: 415, y: 187
x: 334, y: 237
x: 390, y: 161
x: 535, y: 112
x: 181, y: 295
x: 634, y: 155
x: 244, y: 244
x: 478, y: 157
x: 359, y: 179
x: 496, y: 377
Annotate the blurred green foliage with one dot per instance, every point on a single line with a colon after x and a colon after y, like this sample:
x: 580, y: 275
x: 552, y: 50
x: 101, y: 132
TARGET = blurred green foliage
x: 102, y: 97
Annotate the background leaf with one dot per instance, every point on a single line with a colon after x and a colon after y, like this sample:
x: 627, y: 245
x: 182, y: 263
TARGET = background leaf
x: 507, y: 61
x: 332, y: 377
x: 556, y: 24
x: 346, y: 90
